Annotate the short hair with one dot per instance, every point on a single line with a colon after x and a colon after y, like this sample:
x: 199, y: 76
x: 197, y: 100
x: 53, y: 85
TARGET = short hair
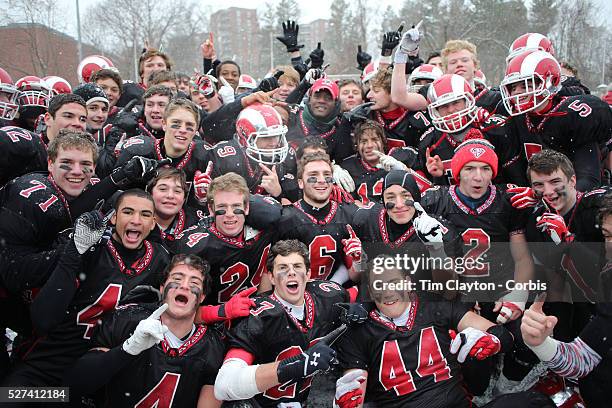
x: 351, y: 81
x: 228, y: 182
x: 226, y: 62
x: 150, y: 54
x: 289, y: 73
x: 458, y: 45
x: 432, y: 55
x: 106, y: 73
x: 309, y: 158
x: 194, y: 262
x: 169, y: 172
x: 157, y: 90
x: 566, y: 65
x: 161, y: 76
x: 133, y: 192
x: 366, y: 125
x: 285, y: 248
x: 72, y: 139
x: 548, y: 161
x: 60, y: 100
x: 310, y: 142
x: 183, y: 103
x: 382, y: 79
x: 605, y: 208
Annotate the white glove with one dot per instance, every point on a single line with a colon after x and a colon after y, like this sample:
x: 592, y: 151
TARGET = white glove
x: 475, y: 343
x: 344, y: 178
x: 226, y: 92
x: 514, y: 301
x: 313, y: 74
x: 428, y: 229
x: 410, y: 40
x: 148, y: 333
x: 389, y: 163
x: 348, y: 393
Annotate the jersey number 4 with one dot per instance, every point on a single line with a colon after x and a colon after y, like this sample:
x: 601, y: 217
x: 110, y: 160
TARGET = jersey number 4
x: 162, y: 395
x: 108, y: 301
x: 393, y: 374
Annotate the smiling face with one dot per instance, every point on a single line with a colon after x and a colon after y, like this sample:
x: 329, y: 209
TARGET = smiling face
x: 134, y: 219
x: 183, y: 291
x: 556, y: 189
x: 400, y: 213
x: 97, y: 113
x: 154, y: 110
x: 153, y: 64
x: 111, y: 89
x: 169, y: 197
x: 369, y: 142
x: 230, y: 73
x: 232, y: 204
x: 285, y: 87
x: 389, y: 301
x: 72, y: 169
x: 180, y: 127
x: 321, y: 104
x: 317, y: 183
x: 69, y: 116
x: 475, y: 178
x: 380, y: 97
x: 461, y: 63
x: 289, y: 276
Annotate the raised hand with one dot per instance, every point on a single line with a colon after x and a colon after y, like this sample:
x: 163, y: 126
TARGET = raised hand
x: 363, y: 58
x: 524, y: 197
x: 434, y: 165
x: 390, y: 40
x: 269, y: 181
x: 201, y: 182
x: 290, y: 36
x: 148, y: 333
x: 207, y: 48
x: 536, y: 326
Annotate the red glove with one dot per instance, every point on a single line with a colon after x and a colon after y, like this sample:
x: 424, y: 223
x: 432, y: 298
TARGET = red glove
x: 201, y: 181
x: 351, y: 247
x: 239, y: 305
x: 348, y: 390
x: 523, y: 197
x: 340, y: 195
x: 554, y: 226
x: 475, y: 343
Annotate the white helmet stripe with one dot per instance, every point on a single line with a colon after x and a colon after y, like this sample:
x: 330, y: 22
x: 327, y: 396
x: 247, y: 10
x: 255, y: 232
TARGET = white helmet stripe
x: 254, y: 117
x: 533, y: 41
x: 458, y: 84
x: 530, y: 62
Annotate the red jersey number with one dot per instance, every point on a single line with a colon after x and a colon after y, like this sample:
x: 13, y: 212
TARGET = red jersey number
x: 473, y: 258
x: 106, y: 302
x: 162, y: 395
x: 322, y: 248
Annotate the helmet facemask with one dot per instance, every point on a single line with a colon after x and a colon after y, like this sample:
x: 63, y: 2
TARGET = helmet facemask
x: 537, y: 92
x: 8, y: 108
x: 457, y: 121
x: 269, y: 156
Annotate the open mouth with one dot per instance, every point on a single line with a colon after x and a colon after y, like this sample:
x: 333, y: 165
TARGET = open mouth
x: 132, y: 236
x: 293, y: 287
x: 181, y: 300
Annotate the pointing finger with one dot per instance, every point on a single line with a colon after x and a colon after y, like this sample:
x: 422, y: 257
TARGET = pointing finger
x: 248, y: 292
x: 265, y: 169
x: 351, y: 231
x: 209, y: 168
x: 318, y: 45
x: 538, y: 302
x: 159, y: 311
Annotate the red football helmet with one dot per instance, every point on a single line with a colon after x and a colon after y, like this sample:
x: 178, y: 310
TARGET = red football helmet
x: 540, y: 75
x: 480, y: 80
x: 33, y: 91
x: 423, y: 71
x: 91, y: 64
x: 530, y: 42
x: 258, y: 122
x: 369, y: 71
x: 58, y: 85
x: 447, y: 89
x: 8, y: 108
x: 247, y: 81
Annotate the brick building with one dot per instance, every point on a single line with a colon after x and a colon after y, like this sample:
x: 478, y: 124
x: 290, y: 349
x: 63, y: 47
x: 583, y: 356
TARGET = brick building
x: 236, y: 32
x: 35, y: 49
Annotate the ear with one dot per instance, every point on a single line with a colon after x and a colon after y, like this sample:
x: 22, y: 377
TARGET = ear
x: 246, y: 208
x: 49, y: 165
x: 301, y: 184
x: 164, y: 125
x: 572, y: 181
x: 113, y: 219
x: 48, y: 118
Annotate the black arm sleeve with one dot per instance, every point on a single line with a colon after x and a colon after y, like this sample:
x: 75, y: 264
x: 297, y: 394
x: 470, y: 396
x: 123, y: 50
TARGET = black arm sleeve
x: 219, y: 125
x: 343, y: 147
x: 49, y: 306
x: 300, y: 66
x: 209, y: 65
x: 588, y: 167
x: 105, y: 364
x: 107, y: 158
x: 298, y: 93
x: 87, y: 201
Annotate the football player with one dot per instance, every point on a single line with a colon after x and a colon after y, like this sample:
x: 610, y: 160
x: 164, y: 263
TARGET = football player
x: 176, y: 359
x: 322, y: 224
x: 96, y: 103
x: 275, y: 352
x: 541, y: 118
x: 90, y: 279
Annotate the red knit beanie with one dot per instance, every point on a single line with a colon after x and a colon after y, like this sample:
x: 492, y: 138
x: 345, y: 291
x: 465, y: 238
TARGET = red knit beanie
x: 479, y: 150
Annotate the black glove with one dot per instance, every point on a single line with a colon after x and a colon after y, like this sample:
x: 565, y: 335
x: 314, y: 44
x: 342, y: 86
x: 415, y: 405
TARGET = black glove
x: 270, y: 83
x: 359, y: 113
x: 318, y: 358
x: 137, y: 170
x: 412, y: 64
x: 391, y: 39
x: 316, y: 57
x: 363, y: 58
x: 142, y: 294
x: 290, y: 36
x: 352, y: 313
x: 128, y: 122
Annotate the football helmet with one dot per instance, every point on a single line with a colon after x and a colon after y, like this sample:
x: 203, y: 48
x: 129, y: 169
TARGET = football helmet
x: 369, y: 71
x: 33, y: 91
x: 450, y: 88
x: 246, y: 81
x: 530, y: 42
x: 258, y: 122
x: 423, y: 71
x: 480, y: 80
x: 90, y: 65
x: 9, y: 108
x: 58, y: 85
x: 539, y: 73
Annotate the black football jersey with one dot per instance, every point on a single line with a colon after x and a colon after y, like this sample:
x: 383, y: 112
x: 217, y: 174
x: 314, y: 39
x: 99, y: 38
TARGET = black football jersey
x: 185, y: 219
x: 111, y: 271
x: 405, y: 130
x: 322, y: 233
x: 485, y: 232
x: 21, y: 152
x: 411, y: 365
x: 236, y: 263
x: 161, y: 376
x: 271, y: 334
x: 231, y: 156
x: 574, y: 122
x: 299, y: 128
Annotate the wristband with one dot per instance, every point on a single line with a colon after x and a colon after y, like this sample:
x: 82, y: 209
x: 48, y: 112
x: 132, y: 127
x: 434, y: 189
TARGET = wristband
x: 545, y: 351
